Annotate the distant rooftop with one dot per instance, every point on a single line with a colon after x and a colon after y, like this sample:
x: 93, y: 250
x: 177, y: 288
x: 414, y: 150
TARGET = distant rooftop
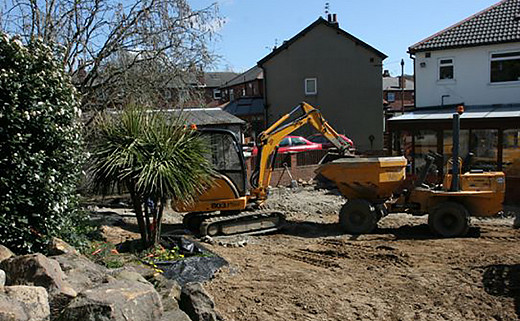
x: 217, y: 79
x: 207, y: 116
x: 392, y: 83
x: 247, y: 76
x: 499, y: 23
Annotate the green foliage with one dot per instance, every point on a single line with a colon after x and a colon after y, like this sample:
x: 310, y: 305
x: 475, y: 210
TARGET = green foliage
x: 154, y: 157
x: 40, y: 148
x: 149, y: 151
x: 106, y: 254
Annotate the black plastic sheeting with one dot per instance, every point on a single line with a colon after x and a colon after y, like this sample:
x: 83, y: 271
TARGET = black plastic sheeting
x: 199, y: 265
x: 193, y: 269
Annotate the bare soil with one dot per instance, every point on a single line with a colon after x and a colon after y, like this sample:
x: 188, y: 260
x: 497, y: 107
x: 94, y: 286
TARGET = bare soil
x: 312, y: 271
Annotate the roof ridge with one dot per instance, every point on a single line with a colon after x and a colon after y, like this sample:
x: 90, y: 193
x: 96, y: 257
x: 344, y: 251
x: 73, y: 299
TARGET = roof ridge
x: 473, y: 16
x: 304, y: 31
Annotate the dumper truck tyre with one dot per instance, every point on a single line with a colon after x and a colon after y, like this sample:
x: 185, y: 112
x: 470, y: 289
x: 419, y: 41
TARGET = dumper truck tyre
x: 449, y: 219
x: 358, y: 217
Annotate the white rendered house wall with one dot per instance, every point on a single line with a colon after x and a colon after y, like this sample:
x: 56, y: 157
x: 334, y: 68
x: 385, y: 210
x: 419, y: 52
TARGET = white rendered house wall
x: 471, y: 76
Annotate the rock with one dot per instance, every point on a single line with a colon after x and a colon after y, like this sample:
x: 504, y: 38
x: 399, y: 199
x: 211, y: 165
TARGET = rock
x: 2, y: 278
x: 120, y: 300
x: 58, y: 246
x: 175, y: 315
x: 197, y: 303
x: 33, y: 299
x: 516, y: 223
x: 130, y: 276
x: 169, y: 290
x: 208, y: 239
x: 5, y: 253
x: 38, y: 270
x: 81, y: 272
x: 11, y: 310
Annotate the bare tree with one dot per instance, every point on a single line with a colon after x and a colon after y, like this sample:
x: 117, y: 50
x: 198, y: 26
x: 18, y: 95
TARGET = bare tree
x: 135, y: 50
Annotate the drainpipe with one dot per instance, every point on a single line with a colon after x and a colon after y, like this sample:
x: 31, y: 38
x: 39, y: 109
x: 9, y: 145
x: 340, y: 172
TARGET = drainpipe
x: 442, y: 99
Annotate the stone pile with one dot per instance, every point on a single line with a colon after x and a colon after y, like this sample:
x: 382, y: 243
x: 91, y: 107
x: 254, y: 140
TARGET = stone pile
x: 68, y: 286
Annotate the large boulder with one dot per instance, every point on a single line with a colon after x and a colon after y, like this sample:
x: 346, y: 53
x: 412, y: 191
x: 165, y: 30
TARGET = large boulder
x: 58, y: 246
x: 5, y: 253
x: 38, y: 270
x: 118, y: 300
x: 197, y: 303
x: 81, y: 272
x: 169, y: 290
x: 175, y: 315
x: 24, y: 303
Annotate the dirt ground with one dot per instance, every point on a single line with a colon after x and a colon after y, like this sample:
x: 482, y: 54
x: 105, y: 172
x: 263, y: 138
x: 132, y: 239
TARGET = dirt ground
x: 311, y: 271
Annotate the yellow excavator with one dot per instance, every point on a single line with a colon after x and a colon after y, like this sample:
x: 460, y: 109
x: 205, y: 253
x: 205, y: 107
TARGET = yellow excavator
x: 228, y: 206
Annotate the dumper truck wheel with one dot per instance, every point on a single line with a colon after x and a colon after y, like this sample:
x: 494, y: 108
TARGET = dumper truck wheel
x: 358, y: 217
x: 449, y: 219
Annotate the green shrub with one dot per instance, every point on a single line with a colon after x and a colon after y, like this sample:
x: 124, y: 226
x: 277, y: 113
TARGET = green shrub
x: 40, y: 148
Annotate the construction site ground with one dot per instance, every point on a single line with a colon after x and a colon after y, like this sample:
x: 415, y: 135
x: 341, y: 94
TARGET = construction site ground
x: 401, y: 271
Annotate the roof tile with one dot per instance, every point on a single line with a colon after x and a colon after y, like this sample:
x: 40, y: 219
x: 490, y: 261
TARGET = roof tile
x: 496, y: 24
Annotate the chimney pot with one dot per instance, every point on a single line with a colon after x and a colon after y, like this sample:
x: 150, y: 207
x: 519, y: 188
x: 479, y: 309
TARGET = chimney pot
x: 329, y: 17
x: 334, y: 18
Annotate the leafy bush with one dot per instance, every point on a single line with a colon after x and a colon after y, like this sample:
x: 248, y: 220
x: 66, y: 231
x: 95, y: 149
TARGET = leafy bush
x: 40, y: 147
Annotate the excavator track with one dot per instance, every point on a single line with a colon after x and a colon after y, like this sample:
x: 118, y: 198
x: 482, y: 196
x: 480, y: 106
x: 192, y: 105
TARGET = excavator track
x: 243, y: 223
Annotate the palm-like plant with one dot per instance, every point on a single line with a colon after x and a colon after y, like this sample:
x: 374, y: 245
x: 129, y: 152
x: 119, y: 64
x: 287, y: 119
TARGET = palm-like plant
x: 154, y: 157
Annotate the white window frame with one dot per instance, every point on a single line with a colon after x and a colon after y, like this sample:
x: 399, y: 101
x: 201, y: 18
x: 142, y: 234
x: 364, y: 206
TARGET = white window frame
x: 491, y: 59
x: 309, y: 92
x: 441, y: 64
x: 217, y: 94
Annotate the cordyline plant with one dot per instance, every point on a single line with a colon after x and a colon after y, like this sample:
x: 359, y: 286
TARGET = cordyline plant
x: 154, y: 157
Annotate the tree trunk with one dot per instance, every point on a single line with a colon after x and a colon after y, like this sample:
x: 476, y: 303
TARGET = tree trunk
x: 158, y: 222
x: 138, y: 208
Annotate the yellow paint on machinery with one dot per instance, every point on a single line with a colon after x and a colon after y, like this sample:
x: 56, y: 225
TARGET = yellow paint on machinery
x: 222, y: 195
x: 367, y: 178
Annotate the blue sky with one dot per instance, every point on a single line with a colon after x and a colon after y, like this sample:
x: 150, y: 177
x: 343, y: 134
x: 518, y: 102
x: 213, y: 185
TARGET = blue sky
x: 254, y: 26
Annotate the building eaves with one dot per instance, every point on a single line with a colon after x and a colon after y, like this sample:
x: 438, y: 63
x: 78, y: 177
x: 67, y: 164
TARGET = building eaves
x: 499, y: 23
x: 302, y: 33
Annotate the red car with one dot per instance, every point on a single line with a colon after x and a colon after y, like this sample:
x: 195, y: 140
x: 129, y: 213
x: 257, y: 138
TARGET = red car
x: 320, y: 139
x: 292, y: 144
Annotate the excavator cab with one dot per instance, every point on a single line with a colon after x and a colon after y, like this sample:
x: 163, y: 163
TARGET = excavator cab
x: 225, y: 153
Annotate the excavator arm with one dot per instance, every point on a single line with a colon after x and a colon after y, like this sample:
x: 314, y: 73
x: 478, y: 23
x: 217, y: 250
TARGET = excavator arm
x: 269, y: 139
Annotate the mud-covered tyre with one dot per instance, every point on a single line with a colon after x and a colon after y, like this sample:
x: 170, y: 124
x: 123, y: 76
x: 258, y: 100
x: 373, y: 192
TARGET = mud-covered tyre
x: 449, y: 219
x: 358, y: 217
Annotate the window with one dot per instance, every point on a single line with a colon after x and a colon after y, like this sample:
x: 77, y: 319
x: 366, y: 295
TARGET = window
x: 284, y: 142
x: 445, y: 69
x: 231, y: 95
x: 217, y: 94
x: 505, y: 66
x: 311, y: 86
x: 297, y: 141
x: 390, y: 97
